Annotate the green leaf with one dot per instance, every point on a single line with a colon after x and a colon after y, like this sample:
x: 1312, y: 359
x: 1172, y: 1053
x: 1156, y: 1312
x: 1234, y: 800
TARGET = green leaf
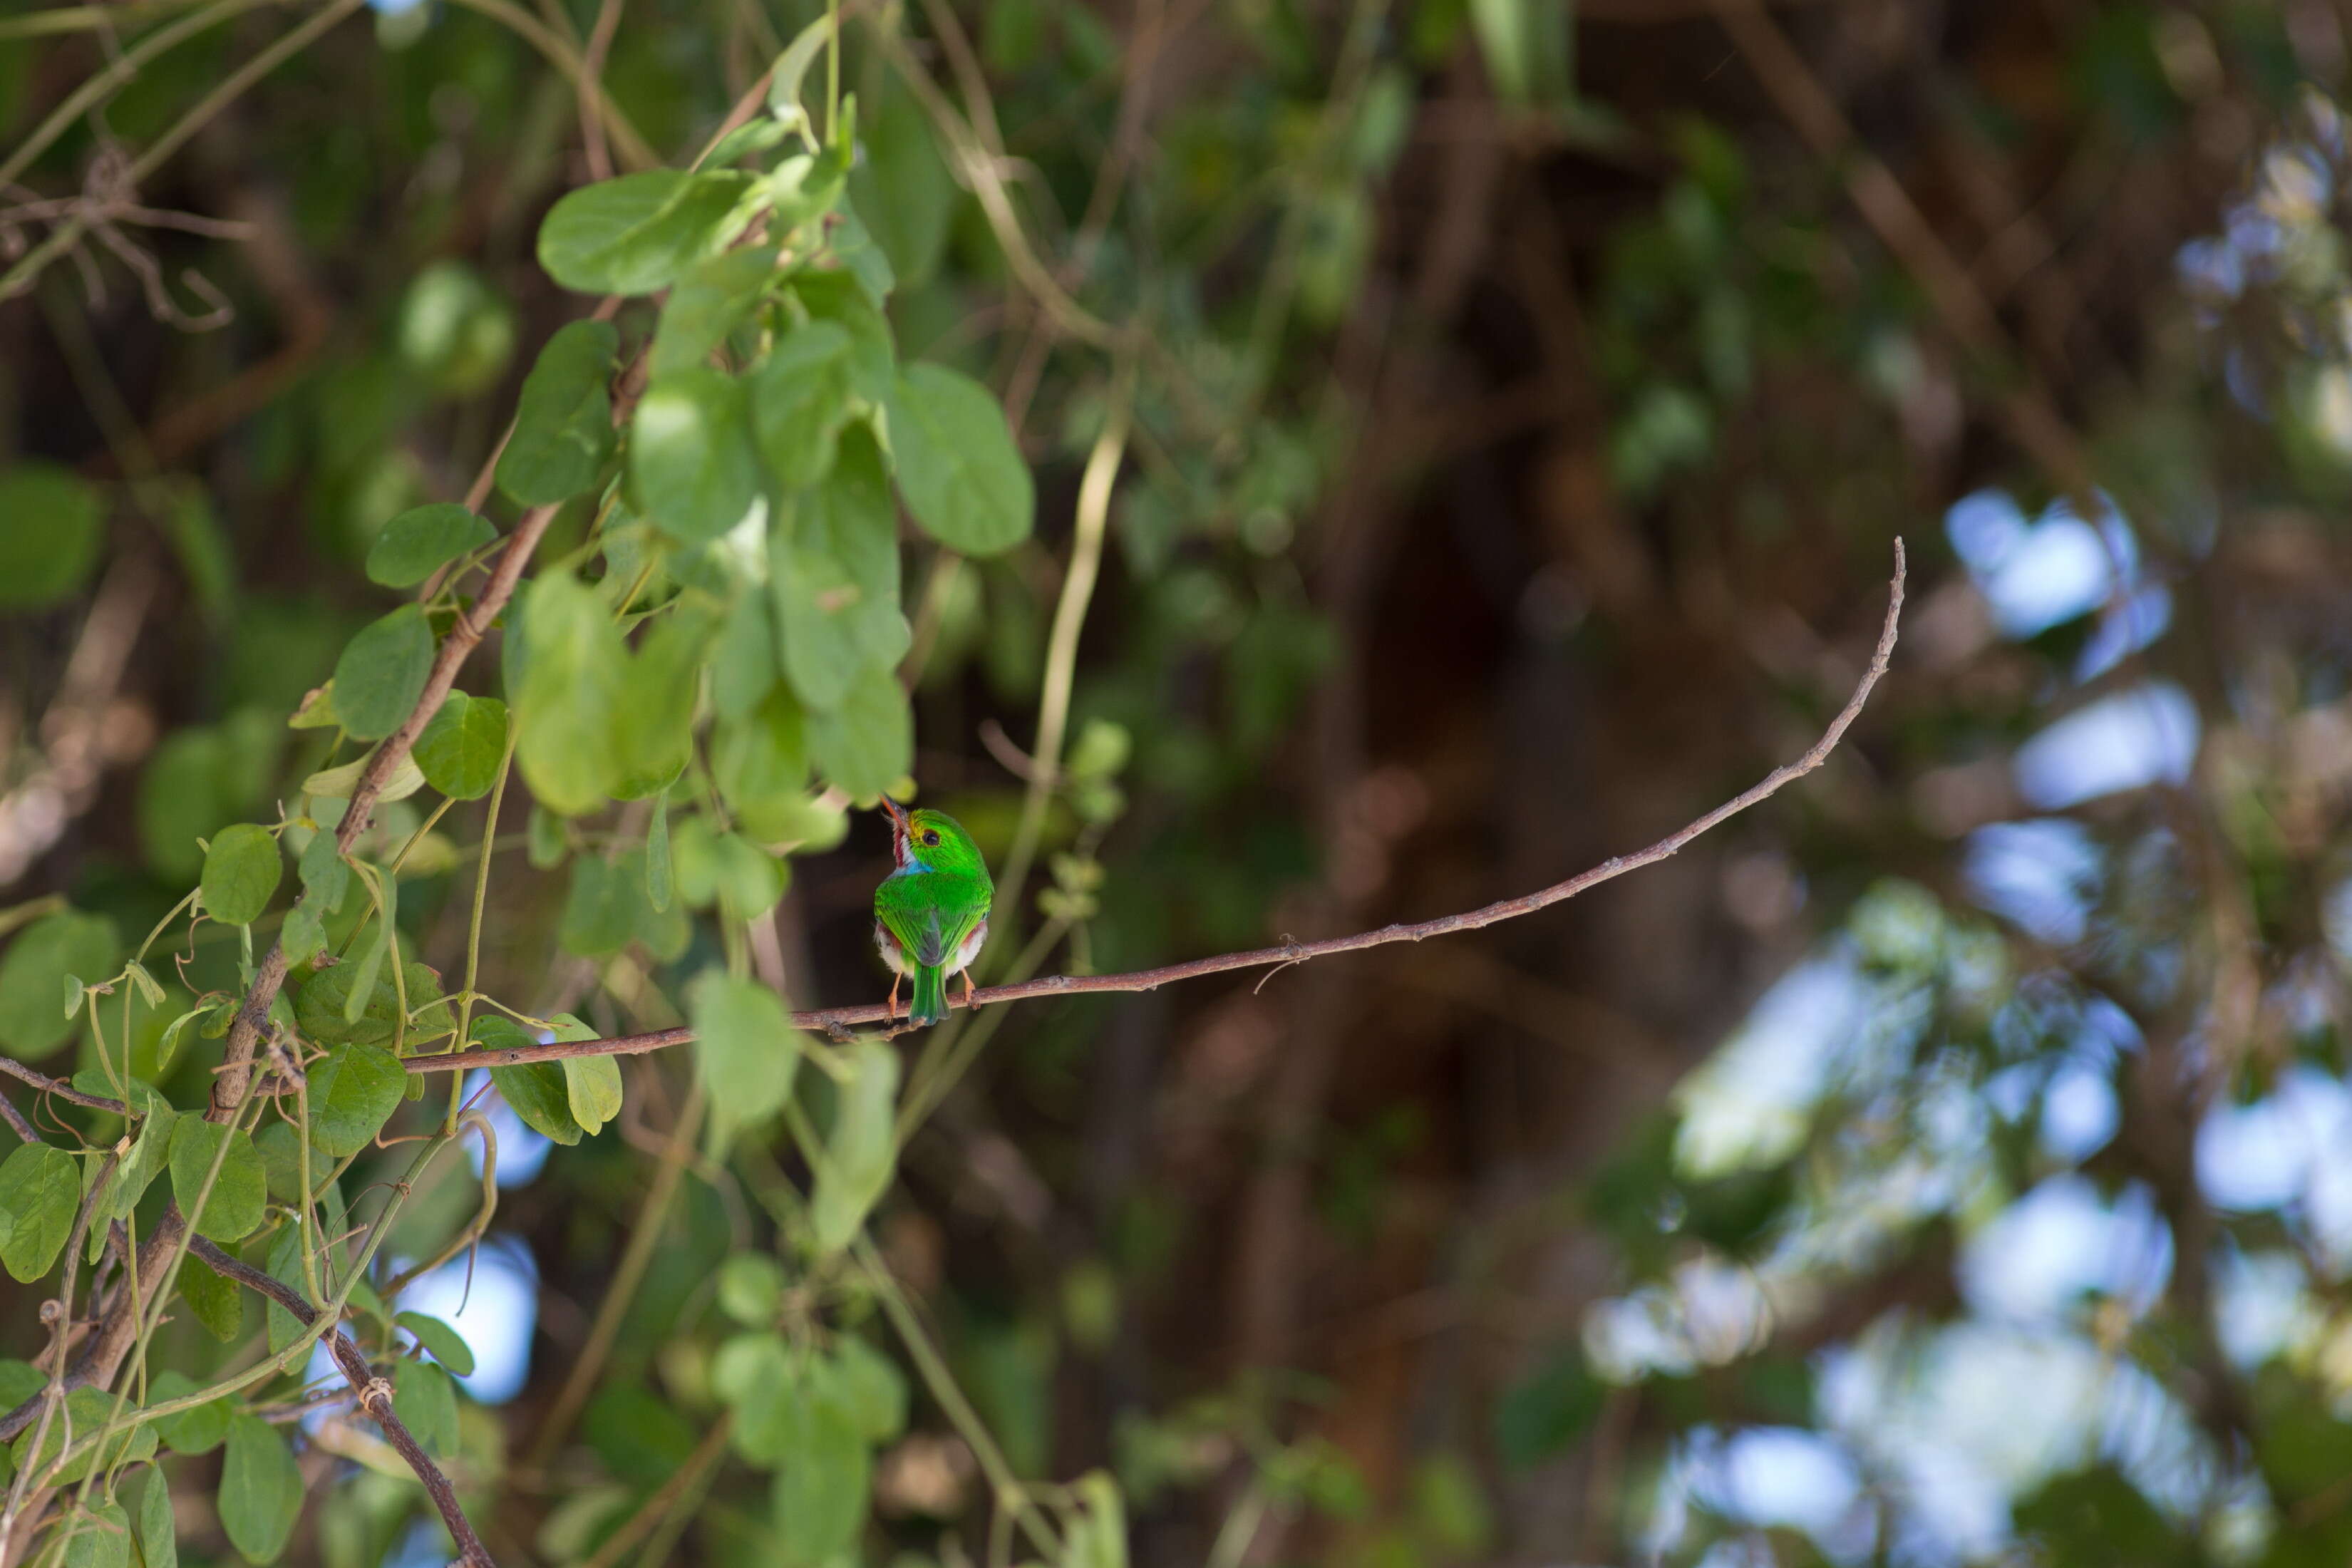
x: 867, y: 743
x: 854, y: 247
x: 197, y: 1430
x: 655, y: 735
x: 593, y: 1088
x: 791, y: 67
x: 462, y: 746
x: 241, y: 871
x: 822, y: 1483
x: 325, y: 876
x: 962, y: 477
x: 285, y: 1266
x: 903, y: 188
x: 751, y: 1284
x: 85, y: 1411
x: 444, y: 1343
x: 260, y: 1489
x: 800, y: 401
x: 233, y: 1209
x: 352, y: 1094
x: 754, y: 1374
x: 563, y: 422
x: 32, y: 976
x: 423, y: 1398
x: 760, y: 762
x: 382, y: 673
x: 337, y: 784
x: 159, y: 1541
x: 1096, y: 1538
x: 149, y: 1153
x: 40, y: 1192
x: 634, y: 234
x: 691, y: 466
x: 872, y: 1386
x: 423, y: 540
x: 572, y: 689
x: 713, y: 866
x: 100, y: 1538
x: 743, y: 666
x: 745, y: 1048
x: 322, y: 1006
x: 57, y: 525
x: 75, y: 992
x: 835, y: 560
x: 601, y: 914
x: 661, y: 879
x: 708, y: 300
x: 538, y: 1092
x: 838, y: 297
x: 211, y: 1299
x: 861, y: 1154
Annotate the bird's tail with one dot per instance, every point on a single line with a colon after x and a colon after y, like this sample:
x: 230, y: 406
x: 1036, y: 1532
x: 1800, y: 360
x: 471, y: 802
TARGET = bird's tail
x: 930, y: 1003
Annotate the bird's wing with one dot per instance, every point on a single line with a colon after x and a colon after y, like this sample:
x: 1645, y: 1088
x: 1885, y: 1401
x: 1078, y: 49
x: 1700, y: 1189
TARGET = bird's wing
x: 944, y: 932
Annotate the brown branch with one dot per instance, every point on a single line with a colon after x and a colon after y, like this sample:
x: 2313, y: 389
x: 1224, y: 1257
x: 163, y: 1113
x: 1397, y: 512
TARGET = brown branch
x: 17, y: 1123
x: 838, y: 1019
x: 59, y: 1088
x: 374, y: 1395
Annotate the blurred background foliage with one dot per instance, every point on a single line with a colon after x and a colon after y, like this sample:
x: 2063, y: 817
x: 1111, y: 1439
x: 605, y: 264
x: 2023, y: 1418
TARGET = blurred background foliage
x: 1951, y: 1162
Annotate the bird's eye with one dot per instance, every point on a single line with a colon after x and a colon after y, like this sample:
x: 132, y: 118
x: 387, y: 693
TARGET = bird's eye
x: 930, y: 836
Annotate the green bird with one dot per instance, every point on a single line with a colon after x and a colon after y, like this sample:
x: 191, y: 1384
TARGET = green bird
x: 930, y: 914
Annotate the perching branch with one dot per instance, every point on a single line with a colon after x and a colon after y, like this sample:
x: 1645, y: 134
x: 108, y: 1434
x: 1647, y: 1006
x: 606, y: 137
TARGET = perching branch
x: 374, y: 1395
x: 59, y: 1088
x: 839, y: 1019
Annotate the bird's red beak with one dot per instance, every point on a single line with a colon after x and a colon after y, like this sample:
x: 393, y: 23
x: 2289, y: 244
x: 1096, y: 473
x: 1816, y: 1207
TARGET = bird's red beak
x: 897, y: 812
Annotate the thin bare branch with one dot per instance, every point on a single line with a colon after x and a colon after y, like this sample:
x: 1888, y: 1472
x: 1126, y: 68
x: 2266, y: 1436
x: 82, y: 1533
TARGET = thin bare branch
x: 835, y: 1020
x: 59, y: 1088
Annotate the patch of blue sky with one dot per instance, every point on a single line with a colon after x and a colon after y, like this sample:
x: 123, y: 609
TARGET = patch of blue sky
x: 2043, y: 875
x: 2127, y: 741
x: 1770, y: 1476
x: 2264, y: 1155
x: 2038, y: 1258
x: 1748, y: 1104
x: 2079, y: 1114
x: 2039, y: 574
x: 495, y: 1313
x: 2262, y: 1306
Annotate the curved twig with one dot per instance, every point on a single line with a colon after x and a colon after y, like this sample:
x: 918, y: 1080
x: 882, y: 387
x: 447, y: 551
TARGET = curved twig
x: 374, y: 1395
x: 836, y: 1019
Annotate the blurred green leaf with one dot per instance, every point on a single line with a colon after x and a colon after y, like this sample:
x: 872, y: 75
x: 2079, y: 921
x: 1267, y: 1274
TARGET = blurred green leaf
x: 57, y: 526
x: 634, y: 234
x: 963, y: 478
x: 563, y: 423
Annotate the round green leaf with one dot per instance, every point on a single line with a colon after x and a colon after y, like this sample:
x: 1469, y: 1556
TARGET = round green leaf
x: 32, y: 976
x: 593, y: 1087
x: 40, y: 1190
x: 822, y: 1475
x: 633, y: 235
x: 353, y: 1094
x: 872, y: 1386
x: 800, y: 401
x: 962, y: 477
x: 241, y: 871
x: 538, y: 1092
x: 563, y: 423
x: 861, y: 1154
x: 866, y: 744
x: 260, y: 1489
x: 442, y: 1342
x: 196, y: 1430
x: 569, y: 706
x: 750, y: 1286
x: 692, y: 469
x: 462, y: 746
x: 233, y: 1209
x: 425, y: 1400
x: 382, y: 673
x: 745, y: 1046
x: 50, y: 544
x: 421, y: 541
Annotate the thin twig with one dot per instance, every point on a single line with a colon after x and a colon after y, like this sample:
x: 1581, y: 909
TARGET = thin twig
x: 374, y: 1395
x: 838, y: 1019
x: 61, y: 1089
x: 17, y: 1123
